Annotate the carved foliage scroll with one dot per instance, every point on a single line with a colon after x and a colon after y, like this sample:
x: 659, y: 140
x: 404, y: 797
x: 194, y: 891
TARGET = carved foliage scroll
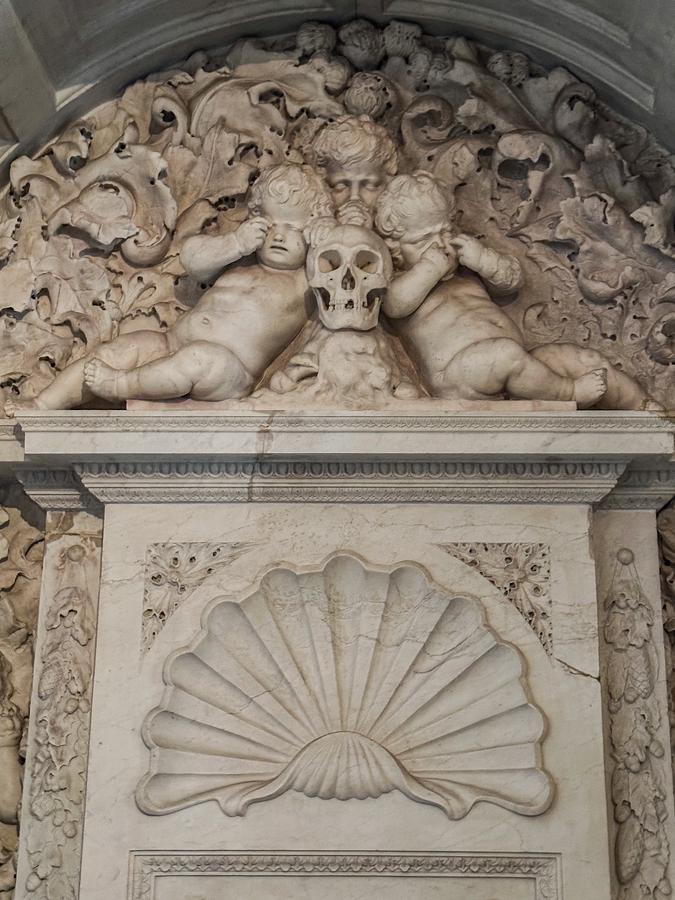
x: 365, y: 682
x: 642, y: 851
x: 59, y: 742
x: 172, y: 574
x: 521, y: 572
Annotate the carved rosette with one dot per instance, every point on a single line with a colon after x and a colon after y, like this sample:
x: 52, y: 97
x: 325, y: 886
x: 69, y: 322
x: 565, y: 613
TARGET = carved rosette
x: 20, y: 568
x: 173, y: 572
x: 641, y: 849
x: 521, y: 572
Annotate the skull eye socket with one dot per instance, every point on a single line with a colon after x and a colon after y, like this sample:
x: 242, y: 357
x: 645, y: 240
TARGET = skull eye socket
x: 329, y: 261
x: 367, y: 261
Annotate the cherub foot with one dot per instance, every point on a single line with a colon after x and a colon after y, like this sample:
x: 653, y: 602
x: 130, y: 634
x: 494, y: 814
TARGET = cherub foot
x: 14, y: 406
x: 590, y: 387
x: 103, y: 380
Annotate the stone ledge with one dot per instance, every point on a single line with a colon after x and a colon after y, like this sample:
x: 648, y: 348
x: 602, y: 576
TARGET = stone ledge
x: 93, y: 435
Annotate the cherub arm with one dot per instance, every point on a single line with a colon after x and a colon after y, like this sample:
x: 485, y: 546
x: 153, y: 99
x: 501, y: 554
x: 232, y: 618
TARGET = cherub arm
x: 410, y: 289
x: 205, y: 256
x: 501, y: 271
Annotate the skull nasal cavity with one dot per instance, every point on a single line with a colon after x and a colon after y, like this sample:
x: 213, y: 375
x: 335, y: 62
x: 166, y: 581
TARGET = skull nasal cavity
x: 348, y: 283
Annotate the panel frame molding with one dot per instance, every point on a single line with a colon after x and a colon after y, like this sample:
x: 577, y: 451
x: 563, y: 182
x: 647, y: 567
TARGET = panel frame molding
x: 146, y: 867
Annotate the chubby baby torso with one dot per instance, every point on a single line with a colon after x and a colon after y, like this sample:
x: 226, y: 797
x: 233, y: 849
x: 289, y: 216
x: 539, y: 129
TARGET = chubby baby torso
x: 457, y: 313
x: 254, y: 311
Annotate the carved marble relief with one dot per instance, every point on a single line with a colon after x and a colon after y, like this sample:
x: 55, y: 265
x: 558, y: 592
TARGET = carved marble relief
x: 173, y: 572
x: 363, y: 218
x: 540, y: 872
x: 666, y: 526
x: 641, y: 849
x: 21, y: 548
x: 365, y: 681
x: 521, y: 571
x: 53, y: 810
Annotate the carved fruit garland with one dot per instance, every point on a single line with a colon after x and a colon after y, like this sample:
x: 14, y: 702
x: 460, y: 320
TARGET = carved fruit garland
x: 642, y: 851
x: 62, y: 728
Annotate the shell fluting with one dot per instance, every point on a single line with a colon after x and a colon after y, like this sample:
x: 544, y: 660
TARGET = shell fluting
x: 345, y: 683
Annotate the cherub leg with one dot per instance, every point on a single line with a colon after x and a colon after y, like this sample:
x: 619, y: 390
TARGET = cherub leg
x: 493, y: 367
x: 623, y: 392
x: 201, y: 370
x: 69, y: 389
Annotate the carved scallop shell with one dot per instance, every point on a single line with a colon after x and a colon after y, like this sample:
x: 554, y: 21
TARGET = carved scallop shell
x: 345, y: 683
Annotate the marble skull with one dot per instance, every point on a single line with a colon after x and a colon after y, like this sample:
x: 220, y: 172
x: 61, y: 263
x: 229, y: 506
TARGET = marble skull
x: 349, y: 271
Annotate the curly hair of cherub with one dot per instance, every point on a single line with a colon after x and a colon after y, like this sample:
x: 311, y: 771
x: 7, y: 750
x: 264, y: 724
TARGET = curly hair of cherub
x: 351, y: 140
x: 291, y: 185
x: 411, y: 201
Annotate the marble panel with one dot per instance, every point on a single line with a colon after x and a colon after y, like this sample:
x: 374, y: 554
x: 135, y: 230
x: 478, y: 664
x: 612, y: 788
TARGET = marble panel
x: 562, y: 685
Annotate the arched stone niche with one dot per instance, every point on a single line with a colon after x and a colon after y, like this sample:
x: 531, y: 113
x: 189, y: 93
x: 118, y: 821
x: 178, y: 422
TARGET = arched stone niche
x: 355, y: 308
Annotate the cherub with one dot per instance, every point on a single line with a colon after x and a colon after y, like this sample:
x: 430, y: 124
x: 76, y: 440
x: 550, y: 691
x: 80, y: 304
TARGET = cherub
x: 462, y: 342
x: 219, y: 349
x: 357, y: 157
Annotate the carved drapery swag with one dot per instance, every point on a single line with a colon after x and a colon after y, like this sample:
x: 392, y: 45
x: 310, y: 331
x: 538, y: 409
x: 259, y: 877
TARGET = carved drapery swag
x: 557, y: 207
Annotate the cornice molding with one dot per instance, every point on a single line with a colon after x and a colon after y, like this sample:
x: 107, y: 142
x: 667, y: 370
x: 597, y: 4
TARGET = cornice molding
x: 354, y: 480
x: 56, y: 489
x: 642, y: 488
x: 137, y: 457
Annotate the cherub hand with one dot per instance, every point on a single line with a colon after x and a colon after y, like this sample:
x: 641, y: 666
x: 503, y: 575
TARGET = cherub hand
x: 469, y: 250
x: 251, y: 235
x: 443, y: 261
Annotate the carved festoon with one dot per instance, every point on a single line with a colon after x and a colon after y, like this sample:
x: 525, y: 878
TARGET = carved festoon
x: 20, y: 567
x: 56, y: 771
x: 365, y: 218
x: 641, y: 849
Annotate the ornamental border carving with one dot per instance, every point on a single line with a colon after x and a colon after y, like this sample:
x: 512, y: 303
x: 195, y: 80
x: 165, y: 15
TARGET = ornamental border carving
x: 355, y: 480
x: 544, y: 869
x: 368, y: 422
